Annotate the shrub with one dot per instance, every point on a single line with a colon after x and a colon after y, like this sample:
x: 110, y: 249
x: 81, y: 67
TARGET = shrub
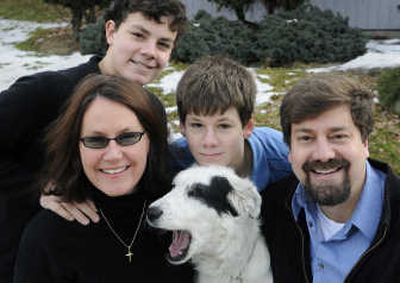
x: 92, y: 39
x: 210, y: 36
x: 389, y: 89
x: 305, y: 34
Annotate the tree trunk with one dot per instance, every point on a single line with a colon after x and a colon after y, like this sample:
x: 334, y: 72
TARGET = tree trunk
x: 270, y: 6
x: 240, y: 14
x: 90, y: 14
x: 76, y: 22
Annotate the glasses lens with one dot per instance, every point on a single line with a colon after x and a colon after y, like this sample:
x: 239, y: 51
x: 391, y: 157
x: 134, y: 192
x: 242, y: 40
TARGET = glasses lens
x: 95, y: 142
x: 129, y: 138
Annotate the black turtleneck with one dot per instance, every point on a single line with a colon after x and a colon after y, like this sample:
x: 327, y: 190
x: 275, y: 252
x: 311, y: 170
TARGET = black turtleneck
x: 55, y: 250
x: 123, y: 213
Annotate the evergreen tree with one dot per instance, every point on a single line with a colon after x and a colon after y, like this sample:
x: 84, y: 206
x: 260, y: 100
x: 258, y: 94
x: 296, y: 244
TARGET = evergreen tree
x: 80, y: 9
x: 238, y: 6
x: 272, y: 5
x: 241, y: 6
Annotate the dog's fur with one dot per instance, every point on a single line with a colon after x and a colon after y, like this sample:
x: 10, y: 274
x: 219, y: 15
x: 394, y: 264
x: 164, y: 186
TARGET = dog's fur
x: 214, y: 216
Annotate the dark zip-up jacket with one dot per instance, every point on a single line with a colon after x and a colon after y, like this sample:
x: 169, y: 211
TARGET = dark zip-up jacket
x: 27, y: 108
x: 288, y: 240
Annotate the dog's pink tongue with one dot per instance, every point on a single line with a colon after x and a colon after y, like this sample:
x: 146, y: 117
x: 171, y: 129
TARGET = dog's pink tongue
x: 180, y: 241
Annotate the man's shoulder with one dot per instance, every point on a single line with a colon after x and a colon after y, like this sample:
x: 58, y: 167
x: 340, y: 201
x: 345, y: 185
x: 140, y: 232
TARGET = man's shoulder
x: 38, y: 80
x: 53, y: 79
x: 382, y: 166
x: 283, y: 187
x: 78, y: 72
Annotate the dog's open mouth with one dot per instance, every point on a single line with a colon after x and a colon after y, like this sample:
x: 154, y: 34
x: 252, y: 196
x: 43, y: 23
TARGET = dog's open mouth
x: 179, y: 247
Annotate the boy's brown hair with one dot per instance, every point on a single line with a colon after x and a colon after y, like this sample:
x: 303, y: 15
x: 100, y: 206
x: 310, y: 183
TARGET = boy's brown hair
x: 212, y: 85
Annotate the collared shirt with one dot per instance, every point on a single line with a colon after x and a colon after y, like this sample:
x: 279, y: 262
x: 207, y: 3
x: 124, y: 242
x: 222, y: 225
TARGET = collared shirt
x: 270, y: 161
x: 333, y: 259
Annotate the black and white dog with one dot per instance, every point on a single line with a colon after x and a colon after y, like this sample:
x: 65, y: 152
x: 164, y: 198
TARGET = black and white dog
x: 213, y: 214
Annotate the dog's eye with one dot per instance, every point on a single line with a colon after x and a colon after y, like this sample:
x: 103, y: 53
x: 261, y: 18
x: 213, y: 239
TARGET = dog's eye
x: 195, y: 191
x: 191, y: 193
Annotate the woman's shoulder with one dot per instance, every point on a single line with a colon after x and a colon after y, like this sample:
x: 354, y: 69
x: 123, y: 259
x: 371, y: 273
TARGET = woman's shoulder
x: 46, y: 226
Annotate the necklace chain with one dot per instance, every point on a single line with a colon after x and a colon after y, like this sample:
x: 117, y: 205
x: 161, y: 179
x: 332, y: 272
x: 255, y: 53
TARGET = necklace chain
x: 129, y: 254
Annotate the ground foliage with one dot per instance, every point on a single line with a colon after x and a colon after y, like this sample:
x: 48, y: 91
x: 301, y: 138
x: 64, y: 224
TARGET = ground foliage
x: 389, y: 89
x: 305, y: 34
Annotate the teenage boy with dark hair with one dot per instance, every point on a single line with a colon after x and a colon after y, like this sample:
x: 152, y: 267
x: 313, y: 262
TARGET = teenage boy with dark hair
x: 140, y: 35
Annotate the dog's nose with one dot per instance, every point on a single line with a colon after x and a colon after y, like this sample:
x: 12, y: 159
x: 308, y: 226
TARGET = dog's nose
x: 153, y: 213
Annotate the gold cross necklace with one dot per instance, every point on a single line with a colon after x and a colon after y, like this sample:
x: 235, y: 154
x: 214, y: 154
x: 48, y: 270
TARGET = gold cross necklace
x: 129, y: 254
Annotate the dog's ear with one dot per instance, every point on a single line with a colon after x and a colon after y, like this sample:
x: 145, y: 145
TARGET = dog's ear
x: 245, y: 197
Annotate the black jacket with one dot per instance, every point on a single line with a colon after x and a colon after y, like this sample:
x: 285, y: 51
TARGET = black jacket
x: 288, y: 240
x: 27, y: 108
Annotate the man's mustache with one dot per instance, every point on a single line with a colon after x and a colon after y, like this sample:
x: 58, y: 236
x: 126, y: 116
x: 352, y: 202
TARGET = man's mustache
x: 330, y: 164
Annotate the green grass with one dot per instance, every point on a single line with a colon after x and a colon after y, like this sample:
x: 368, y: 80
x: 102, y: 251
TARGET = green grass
x: 38, y: 11
x: 49, y: 41
x: 282, y: 78
x: 31, y: 43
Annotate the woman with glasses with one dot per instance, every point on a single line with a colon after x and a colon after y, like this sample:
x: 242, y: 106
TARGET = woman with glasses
x: 109, y: 145
x: 140, y: 36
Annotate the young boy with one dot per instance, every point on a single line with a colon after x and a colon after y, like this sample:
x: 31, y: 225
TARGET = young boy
x: 215, y: 100
x: 140, y: 36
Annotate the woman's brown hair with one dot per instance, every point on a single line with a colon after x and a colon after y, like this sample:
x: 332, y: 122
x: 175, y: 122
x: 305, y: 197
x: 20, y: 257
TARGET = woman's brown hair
x: 63, y: 166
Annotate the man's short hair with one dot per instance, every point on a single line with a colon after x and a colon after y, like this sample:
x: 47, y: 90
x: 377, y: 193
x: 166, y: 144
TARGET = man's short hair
x: 312, y: 96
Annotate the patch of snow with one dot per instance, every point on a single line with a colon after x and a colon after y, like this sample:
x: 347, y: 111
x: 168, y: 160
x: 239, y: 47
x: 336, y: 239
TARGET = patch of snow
x: 15, y: 63
x: 380, y: 54
x: 168, y: 83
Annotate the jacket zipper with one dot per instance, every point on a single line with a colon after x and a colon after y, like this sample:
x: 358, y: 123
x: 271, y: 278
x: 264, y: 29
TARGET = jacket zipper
x: 303, y: 264
x: 365, y: 255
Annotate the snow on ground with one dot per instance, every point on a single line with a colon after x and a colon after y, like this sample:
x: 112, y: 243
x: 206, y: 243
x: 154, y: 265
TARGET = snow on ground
x: 169, y: 83
x: 380, y: 54
x: 15, y: 63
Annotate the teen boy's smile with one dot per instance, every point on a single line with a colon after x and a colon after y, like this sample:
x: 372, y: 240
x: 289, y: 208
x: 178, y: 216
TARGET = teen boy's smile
x: 139, y: 49
x: 218, y: 138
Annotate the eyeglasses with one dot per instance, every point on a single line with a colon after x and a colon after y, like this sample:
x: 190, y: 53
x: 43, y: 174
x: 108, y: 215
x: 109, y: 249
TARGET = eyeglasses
x: 124, y: 139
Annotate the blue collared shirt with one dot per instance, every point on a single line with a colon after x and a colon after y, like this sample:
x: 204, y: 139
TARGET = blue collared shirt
x: 333, y: 259
x: 270, y: 161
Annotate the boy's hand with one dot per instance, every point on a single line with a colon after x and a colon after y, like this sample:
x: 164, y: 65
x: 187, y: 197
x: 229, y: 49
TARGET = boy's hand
x: 83, y: 212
